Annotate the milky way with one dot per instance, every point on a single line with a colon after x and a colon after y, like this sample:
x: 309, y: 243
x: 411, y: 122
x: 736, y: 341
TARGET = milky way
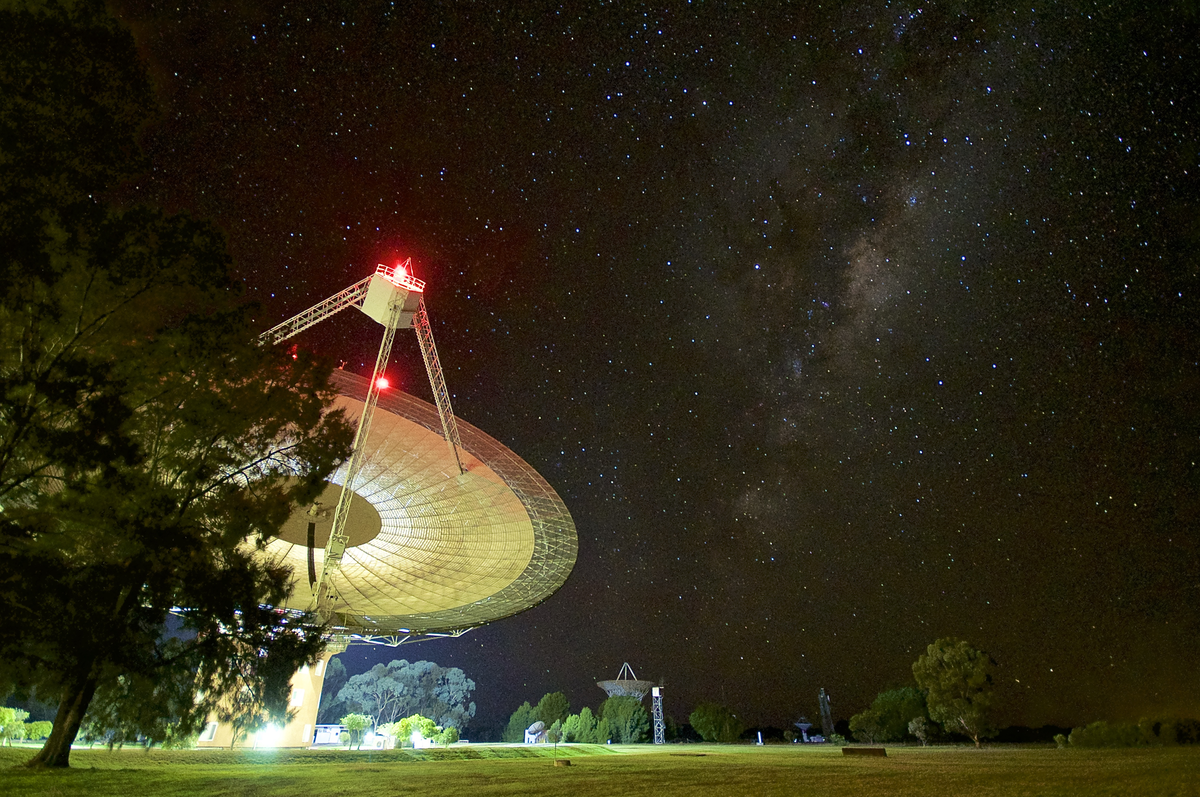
x: 837, y: 330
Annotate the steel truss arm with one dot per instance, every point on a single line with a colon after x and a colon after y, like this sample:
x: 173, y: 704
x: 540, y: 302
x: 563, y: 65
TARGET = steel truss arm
x: 396, y: 640
x: 437, y: 382
x: 336, y: 547
x: 351, y: 297
x: 325, y: 597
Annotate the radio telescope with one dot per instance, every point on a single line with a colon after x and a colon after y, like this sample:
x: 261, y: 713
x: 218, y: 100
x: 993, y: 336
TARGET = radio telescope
x: 432, y: 527
x: 622, y: 686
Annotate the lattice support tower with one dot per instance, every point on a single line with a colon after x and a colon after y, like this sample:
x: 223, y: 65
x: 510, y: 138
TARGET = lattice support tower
x: 336, y: 547
x: 440, y: 395
x: 656, y: 710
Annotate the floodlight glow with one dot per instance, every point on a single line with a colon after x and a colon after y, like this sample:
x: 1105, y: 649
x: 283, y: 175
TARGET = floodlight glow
x: 270, y: 736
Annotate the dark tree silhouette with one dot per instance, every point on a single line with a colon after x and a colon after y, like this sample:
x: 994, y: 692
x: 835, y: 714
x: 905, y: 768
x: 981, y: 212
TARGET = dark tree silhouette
x: 147, y: 443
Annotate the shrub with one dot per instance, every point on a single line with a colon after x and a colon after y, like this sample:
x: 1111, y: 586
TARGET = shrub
x: 1185, y: 731
x: 356, y: 726
x: 1169, y: 732
x: 38, y: 730
x: 176, y: 742
x: 716, y: 723
x: 919, y: 727
x: 1104, y: 734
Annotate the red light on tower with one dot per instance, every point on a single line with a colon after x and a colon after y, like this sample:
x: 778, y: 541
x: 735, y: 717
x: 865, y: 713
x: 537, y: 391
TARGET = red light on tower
x: 401, y: 276
x: 382, y: 383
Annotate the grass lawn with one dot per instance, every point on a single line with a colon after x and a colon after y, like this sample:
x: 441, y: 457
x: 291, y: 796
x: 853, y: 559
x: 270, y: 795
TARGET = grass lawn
x: 598, y: 770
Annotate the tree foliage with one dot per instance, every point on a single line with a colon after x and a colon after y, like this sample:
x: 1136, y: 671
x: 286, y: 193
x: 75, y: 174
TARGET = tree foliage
x: 356, y: 726
x: 332, y: 707
x: 553, y: 707
x: 1106, y: 734
x: 866, y: 727
x: 957, y: 681
x: 38, y: 730
x: 388, y: 692
x: 919, y: 727
x: 138, y: 705
x: 12, y: 724
x: 1147, y: 732
x: 1170, y: 732
x: 888, y: 718
x: 716, y: 723
x: 581, y: 727
x: 627, y: 717
x: 402, y: 730
x: 416, y: 723
x: 147, y: 443
x: 522, y: 718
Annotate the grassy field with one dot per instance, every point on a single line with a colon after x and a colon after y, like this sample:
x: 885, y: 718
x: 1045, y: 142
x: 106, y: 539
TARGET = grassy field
x: 637, y: 770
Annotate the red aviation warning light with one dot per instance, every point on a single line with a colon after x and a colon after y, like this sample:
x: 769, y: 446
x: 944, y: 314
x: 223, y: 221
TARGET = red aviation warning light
x: 382, y: 383
x: 400, y: 276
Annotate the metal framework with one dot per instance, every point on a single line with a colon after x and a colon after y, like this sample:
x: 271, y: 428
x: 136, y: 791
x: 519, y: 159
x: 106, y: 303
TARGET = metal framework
x: 465, y: 540
x: 438, y: 383
x: 351, y: 297
x: 443, y: 535
x: 656, y: 708
x: 385, y: 297
x: 336, y: 546
x: 339, y: 642
x: 622, y: 686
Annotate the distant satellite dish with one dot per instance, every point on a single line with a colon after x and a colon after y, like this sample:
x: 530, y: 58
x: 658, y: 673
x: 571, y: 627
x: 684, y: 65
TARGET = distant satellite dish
x: 623, y: 686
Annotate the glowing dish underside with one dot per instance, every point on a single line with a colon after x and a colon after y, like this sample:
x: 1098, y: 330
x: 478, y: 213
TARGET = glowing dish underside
x: 432, y: 550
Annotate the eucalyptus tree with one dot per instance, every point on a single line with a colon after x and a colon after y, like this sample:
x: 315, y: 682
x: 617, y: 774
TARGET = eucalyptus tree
x: 148, y: 444
x: 402, y: 688
x: 957, y: 680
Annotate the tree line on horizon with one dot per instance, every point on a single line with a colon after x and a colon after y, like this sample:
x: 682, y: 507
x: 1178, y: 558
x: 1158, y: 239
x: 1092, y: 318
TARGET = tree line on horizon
x: 954, y: 688
x: 621, y: 720
x: 954, y: 696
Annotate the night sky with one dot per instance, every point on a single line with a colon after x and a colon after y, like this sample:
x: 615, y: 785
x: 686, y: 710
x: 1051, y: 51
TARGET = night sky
x: 838, y: 327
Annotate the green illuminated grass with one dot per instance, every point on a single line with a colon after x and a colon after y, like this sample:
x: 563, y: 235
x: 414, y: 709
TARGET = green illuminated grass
x: 596, y: 770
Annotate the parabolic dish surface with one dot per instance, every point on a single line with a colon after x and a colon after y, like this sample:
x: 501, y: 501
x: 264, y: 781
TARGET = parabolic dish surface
x: 431, y: 550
